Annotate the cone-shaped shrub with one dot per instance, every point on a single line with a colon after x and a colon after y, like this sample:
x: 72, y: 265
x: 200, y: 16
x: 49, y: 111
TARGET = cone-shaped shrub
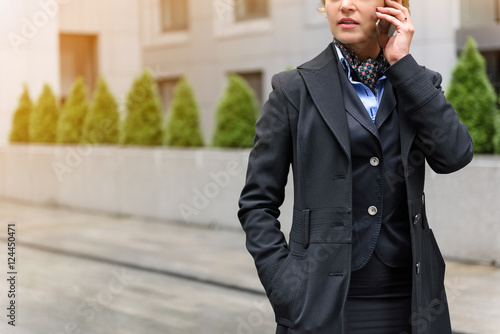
x: 43, y: 120
x: 143, y: 124
x: 70, y: 125
x: 496, y: 138
x: 21, y: 119
x: 183, y: 126
x: 101, y: 125
x: 473, y: 97
x: 236, y: 115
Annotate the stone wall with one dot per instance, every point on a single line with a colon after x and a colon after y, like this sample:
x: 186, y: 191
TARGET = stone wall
x: 202, y: 186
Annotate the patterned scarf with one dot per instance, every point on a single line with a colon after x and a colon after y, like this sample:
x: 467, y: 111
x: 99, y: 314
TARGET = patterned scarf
x: 369, y: 71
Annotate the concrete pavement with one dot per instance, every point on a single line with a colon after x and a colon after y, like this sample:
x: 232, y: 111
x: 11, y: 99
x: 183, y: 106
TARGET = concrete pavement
x: 90, y: 273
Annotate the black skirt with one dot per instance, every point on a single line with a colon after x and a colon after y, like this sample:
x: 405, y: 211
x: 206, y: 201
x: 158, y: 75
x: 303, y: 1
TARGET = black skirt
x: 379, y: 299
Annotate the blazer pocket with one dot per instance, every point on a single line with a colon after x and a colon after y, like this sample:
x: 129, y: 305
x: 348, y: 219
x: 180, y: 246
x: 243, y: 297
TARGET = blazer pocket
x: 434, y: 301
x: 285, y: 286
x: 433, y: 267
x: 437, y: 251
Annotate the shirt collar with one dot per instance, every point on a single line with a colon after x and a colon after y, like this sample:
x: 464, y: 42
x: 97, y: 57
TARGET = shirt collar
x: 346, y: 66
x: 343, y: 61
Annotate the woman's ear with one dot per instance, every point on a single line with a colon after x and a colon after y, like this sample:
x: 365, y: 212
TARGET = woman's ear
x: 322, y: 9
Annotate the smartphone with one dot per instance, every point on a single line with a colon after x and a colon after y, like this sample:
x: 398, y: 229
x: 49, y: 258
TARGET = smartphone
x: 386, y: 28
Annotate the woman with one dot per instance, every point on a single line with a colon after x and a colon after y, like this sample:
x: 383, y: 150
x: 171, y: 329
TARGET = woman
x: 357, y: 124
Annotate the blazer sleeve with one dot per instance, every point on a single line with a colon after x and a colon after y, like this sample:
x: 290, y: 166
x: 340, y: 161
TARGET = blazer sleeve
x: 264, y: 190
x: 445, y: 141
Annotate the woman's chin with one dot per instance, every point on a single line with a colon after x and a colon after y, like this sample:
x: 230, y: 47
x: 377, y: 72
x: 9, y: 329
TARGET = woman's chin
x: 348, y: 38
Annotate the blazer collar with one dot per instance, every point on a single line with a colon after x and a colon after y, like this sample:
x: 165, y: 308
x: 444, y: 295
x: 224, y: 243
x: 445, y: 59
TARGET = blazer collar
x: 322, y: 80
x: 387, y: 104
x: 354, y: 106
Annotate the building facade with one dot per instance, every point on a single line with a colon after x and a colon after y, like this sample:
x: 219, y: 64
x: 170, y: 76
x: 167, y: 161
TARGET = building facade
x: 28, y: 54
x: 481, y: 20
x: 206, y: 40
x: 55, y: 41
x: 100, y: 37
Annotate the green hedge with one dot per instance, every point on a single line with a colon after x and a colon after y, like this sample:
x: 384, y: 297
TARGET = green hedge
x: 73, y: 113
x: 496, y: 137
x: 143, y: 123
x: 236, y: 115
x: 473, y: 97
x: 43, y: 120
x: 183, y: 126
x: 21, y: 119
x: 101, y: 124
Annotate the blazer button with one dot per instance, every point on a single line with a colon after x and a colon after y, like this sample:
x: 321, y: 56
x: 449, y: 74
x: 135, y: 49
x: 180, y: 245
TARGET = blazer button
x: 417, y: 268
x: 374, y: 161
x: 372, y: 210
x: 416, y: 218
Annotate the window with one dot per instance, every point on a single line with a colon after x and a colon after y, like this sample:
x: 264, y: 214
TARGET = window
x: 493, y: 67
x: 250, y: 9
x: 166, y: 88
x: 78, y: 55
x: 254, y: 79
x: 479, y: 12
x: 174, y: 15
x: 497, y: 10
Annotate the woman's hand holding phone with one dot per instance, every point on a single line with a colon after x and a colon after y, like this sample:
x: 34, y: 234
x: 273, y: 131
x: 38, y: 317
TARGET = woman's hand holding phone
x: 395, y: 14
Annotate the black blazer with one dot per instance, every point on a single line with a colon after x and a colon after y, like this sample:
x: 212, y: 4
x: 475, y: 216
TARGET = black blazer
x: 304, y: 125
x: 384, y: 232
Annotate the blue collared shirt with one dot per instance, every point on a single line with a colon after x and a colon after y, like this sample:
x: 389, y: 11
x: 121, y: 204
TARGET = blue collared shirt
x: 370, y: 101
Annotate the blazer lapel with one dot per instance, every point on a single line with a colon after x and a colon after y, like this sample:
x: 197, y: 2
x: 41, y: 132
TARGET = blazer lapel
x: 323, y: 84
x: 354, y: 106
x: 387, y: 105
x: 322, y: 80
x: 407, y: 134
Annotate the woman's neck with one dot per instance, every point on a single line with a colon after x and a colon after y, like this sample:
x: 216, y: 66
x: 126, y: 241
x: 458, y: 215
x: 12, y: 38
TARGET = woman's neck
x: 365, y: 50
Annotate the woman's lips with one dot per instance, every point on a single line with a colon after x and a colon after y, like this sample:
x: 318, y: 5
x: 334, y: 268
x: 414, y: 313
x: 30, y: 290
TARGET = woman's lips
x: 348, y: 23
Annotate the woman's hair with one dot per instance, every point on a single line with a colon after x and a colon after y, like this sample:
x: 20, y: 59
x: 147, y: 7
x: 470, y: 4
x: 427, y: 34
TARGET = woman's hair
x: 406, y: 3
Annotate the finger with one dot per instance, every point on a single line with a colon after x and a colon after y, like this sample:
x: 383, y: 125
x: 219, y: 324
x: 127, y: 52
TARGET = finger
x: 394, y: 16
x: 394, y: 3
x: 397, y: 21
x: 391, y: 11
x: 397, y: 5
